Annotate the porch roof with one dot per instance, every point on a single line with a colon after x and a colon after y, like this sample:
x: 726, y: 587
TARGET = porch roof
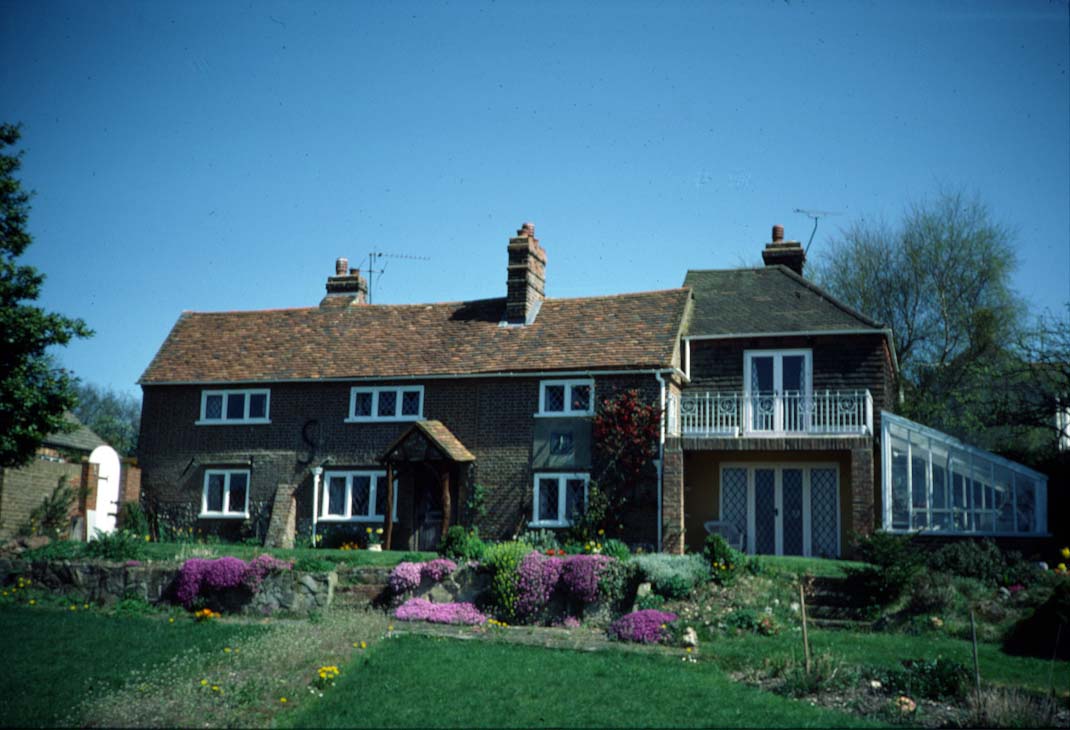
x: 426, y: 441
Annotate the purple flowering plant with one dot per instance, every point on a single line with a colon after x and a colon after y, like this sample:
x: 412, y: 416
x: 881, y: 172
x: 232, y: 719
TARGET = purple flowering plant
x: 198, y: 575
x: 420, y: 609
x: 538, y: 577
x: 407, y: 577
x: 645, y: 627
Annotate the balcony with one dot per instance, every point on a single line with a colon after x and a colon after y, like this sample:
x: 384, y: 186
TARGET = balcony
x: 734, y: 415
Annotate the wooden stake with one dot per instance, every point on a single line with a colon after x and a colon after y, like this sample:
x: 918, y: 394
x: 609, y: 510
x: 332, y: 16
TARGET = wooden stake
x: 806, y: 636
x: 976, y: 664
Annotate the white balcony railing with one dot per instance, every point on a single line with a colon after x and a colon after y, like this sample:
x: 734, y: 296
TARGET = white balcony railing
x: 828, y: 413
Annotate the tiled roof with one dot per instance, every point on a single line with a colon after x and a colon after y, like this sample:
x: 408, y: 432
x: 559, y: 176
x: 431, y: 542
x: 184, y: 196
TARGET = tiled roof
x: 436, y: 432
x: 82, y: 438
x: 769, y: 299
x: 366, y: 341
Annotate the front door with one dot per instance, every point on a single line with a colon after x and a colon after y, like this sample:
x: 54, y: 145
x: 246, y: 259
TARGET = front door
x: 783, y: 510
x: 428, y: 512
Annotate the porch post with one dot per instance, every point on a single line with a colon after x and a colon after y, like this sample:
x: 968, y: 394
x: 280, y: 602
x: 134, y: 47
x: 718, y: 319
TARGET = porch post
x: 389, y: 503
x: 445, y: 477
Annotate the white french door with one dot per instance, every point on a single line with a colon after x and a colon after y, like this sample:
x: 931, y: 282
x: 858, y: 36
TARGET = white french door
x: 783, y: 509
x: 777, y: 390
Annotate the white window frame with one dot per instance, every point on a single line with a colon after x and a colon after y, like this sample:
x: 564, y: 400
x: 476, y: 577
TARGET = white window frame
x: 560, y: 519
x: 226, y: 512
x: 225, y: 395
x: 977, y: 466
x: 568, y: 410
x: 376, y: 476
x: 375, y: 391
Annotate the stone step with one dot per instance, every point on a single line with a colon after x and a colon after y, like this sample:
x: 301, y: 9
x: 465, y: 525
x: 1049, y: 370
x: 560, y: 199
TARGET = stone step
x: 840, y: 624
x: 830, y: 611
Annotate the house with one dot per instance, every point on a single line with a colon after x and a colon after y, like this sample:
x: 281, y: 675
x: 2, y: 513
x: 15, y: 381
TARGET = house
x: 784, y: 430
x: 779, y: 428
x: 84, y: 462
x: 330, y: 419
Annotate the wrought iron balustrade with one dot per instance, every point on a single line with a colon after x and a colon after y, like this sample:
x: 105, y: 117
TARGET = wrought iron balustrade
x: 734, y: 414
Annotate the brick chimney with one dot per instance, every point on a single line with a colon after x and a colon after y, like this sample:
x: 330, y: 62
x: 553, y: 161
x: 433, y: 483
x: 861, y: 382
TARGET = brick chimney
x: 345, y: 289
x: 788, y: 253
x: 526, y: 279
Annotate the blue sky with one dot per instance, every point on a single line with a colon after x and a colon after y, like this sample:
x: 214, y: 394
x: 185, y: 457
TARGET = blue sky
x: 215, y: 156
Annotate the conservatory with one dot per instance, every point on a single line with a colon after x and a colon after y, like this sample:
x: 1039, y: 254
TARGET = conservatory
x: 932, y: 482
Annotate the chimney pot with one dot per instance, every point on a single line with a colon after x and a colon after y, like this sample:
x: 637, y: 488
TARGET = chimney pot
x: 354, y: 272
x: 528, y: 229
x: 340, y: 266
x: 526, y: 276
x: 778, y: 233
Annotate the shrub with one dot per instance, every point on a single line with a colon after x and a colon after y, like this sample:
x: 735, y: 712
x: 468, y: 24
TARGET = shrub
x: 614, y: 548
x: 133, y: 518
x: 645, y: 627
x: 461, y: 544
x: 980, y: 559
x: 672, y: 576
x: 116, y: 546
x: 58, y: 550
x: 826, y: 674
x: 723, y: 559
x: 650, y: 601
x: 420, y: 609
x: 1037, y: 634
x: 931, y: 593
x: 313, y: 565
x: 893, y: 560
x: 932, y: 679
x: 502, y: 560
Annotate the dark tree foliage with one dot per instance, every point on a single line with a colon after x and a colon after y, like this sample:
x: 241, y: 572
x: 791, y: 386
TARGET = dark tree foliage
x: 114, y: 416
x: 34, y: 393
x: 626, y: 435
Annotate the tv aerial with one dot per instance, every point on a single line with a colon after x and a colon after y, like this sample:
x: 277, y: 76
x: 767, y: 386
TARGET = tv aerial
x: 816, y: 215
x: 375, y: 257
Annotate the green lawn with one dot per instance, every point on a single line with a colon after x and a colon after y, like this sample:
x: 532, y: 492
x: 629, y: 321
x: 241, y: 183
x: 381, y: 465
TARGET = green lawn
x: 54, y: 658
x: 173, y: 551
x: 812, y: 566
x: 425, y: 682
x: 888, y: 650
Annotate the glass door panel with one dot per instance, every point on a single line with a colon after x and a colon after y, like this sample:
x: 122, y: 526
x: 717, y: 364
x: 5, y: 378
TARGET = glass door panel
x: 765, y: 512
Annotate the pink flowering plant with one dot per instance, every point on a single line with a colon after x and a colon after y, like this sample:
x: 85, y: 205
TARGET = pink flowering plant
x: 199, y: 576
x: 538, y: 576
x: 576, y: 580
x: 421, y: 609
x: 406, y: 577
x: 645, y: 627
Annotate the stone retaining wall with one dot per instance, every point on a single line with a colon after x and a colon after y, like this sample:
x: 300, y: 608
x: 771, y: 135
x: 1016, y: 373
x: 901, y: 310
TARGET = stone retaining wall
x: 102, y: 582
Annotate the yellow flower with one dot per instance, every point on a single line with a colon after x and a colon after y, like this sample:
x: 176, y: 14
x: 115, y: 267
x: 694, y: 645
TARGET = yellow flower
x: 282, y: 700
x: 1061, y: 567
x: 601, y: 532
x: 204, y: 682
x: 368, y: 530
x: 1065, y: 552
x: 74, y: 608
x: 379, y: 531
x: 215, y: 687
x: 171, y: 620
x: 85, y: 606
x: 226, y: 649
x: 33, y: 602
x: 363, y: 645
x: 689, y: 650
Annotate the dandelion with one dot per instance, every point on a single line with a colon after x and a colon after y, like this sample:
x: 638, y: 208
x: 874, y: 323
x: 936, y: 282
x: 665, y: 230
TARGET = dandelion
x: 171, y: 620
x: 601, y: 532
x: 86, y: 605
x: 204, y: 682
x: 282, y: 700
x: 1065, y: 553
x: 33, y: 602
x: 363, y: 645
x: 215, y: 688
x: 226, y: 649
x: 74, y: 608
x: 148, y: 538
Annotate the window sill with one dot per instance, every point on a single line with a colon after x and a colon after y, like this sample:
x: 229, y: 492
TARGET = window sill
x: 232, y: 422
x: 223, y: 516
x: 336, y: 518
x: 548, y: 523
x: 929, y: 532
x: 377, y: 419
x: 572, y: 414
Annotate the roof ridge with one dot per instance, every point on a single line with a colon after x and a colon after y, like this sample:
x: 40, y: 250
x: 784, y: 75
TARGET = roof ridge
x: 831, y: 299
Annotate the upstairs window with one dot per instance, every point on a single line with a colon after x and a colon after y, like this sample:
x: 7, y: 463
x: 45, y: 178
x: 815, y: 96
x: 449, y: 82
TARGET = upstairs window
x: 355, y: 496
x: 235, y: 406
x: 559, y: 499
x: 391, y: 403
x: 566, y: 397
x: 226, y: 493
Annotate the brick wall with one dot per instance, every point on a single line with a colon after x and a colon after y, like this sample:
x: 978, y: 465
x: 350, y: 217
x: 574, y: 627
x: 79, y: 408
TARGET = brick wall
x: 492, y: 417
x: 23, y: 490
